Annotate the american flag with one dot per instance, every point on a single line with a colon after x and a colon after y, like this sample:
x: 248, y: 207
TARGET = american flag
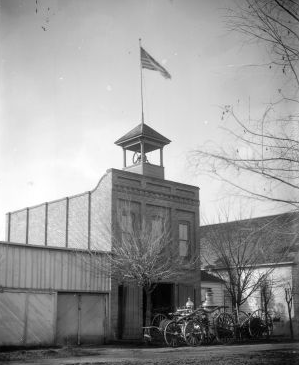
x: 148, y: 62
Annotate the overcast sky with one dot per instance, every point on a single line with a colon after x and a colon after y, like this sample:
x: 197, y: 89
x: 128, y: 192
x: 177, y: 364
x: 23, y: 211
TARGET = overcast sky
x: 70, y: 87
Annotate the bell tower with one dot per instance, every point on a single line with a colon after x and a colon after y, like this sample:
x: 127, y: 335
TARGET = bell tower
x: 141, y: 140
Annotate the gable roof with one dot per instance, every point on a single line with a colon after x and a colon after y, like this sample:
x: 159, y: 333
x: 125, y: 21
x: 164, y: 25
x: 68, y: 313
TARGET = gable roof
x: 273, y: 238
x: 205, y: 276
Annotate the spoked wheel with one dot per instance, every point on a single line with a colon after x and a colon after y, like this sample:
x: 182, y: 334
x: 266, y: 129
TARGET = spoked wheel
x: 193, y: 333
x: 157, y: 319
x: 224, y: 328
x: 172, y: 334
x: 242, y: 330
x: 152, y: 336
x: 260, y: 325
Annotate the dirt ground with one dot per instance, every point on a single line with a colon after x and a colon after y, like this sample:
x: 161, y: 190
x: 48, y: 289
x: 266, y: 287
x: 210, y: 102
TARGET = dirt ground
x: 253, y: 354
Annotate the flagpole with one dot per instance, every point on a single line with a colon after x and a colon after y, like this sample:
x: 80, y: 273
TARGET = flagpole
x: 141, y: 85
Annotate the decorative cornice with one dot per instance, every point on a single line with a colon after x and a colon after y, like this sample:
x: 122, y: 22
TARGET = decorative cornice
x: 154, y: 194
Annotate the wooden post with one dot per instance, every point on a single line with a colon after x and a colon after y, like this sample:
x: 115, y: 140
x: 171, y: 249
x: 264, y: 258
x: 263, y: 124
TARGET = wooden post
x: 67, y: 222
x: 79, y: 320
x: 46, y: 224
x: 8, y: 226
x: 161, y: 156
x: 27, y: 225
x: 89, y: 220
x: 142, y: 155
x: 177, y: 295
x: 25, y: 330
x: 120, y: 311
x: 125, y: 157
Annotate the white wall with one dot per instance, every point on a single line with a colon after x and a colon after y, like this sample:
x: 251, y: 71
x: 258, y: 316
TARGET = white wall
x: 280, y: 277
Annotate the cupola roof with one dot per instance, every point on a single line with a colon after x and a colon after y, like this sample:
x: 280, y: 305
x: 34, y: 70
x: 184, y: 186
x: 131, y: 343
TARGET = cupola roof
x: 152, y: 139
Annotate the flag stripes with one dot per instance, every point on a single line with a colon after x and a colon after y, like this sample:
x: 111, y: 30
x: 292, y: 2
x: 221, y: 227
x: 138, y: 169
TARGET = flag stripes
x: 149, y: 63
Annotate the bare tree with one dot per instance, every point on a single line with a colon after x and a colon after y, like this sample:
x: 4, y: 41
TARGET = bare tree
x: 274, y: 24
x: 289, y: 295
x: 262, y: 159
x: 236, y: 252
x: 143, y: 253
x: 267, y: 293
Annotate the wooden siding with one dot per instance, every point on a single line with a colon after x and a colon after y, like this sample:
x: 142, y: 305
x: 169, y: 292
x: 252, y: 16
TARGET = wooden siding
x: 27, y: 318
x: 132, y: 321
x: 217, y: 290
x: 43, y: 268
x: 81, y: 318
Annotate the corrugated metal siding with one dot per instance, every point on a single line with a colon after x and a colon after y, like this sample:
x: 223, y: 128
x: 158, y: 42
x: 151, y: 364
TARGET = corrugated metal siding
x: 44, y: 268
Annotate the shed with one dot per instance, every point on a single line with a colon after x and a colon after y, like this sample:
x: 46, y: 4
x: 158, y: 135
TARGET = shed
x: 51, y: 295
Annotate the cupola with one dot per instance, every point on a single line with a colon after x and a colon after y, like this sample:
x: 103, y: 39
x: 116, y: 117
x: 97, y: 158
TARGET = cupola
x: 141, y: 141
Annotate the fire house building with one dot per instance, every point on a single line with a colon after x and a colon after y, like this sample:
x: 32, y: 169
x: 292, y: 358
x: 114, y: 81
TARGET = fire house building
x: 54, y: 291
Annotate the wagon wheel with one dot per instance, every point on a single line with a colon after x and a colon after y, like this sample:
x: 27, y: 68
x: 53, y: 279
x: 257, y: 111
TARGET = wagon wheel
x: 157, y: 319
x: 207, y: 336
x: 243, y: 326
x: 260, y: 324
x: 193, y: 333
x: 153, y: 336
x: 224, y: 328
x: 243, y: 316
x: 172, y: 333
x: 269, y: 325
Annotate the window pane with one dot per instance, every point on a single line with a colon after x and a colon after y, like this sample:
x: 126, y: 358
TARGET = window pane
x: 156, y: 228
x: 183, y: 231
x: 183, y: 247
x: 127, y: 222
x: 131, y: 223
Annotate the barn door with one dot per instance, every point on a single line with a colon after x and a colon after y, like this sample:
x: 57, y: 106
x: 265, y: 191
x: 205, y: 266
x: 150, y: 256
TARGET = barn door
x: 26, y: 318
x: 93, y: 319
x: 132, y: 313
x: 67, y: 319
x: 81, y: 318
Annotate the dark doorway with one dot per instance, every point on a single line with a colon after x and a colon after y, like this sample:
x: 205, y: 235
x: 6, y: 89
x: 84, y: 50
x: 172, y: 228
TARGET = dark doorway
x: 162, y: 299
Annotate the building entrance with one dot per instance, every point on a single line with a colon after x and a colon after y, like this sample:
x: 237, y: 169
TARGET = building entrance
x: 162, y: 299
